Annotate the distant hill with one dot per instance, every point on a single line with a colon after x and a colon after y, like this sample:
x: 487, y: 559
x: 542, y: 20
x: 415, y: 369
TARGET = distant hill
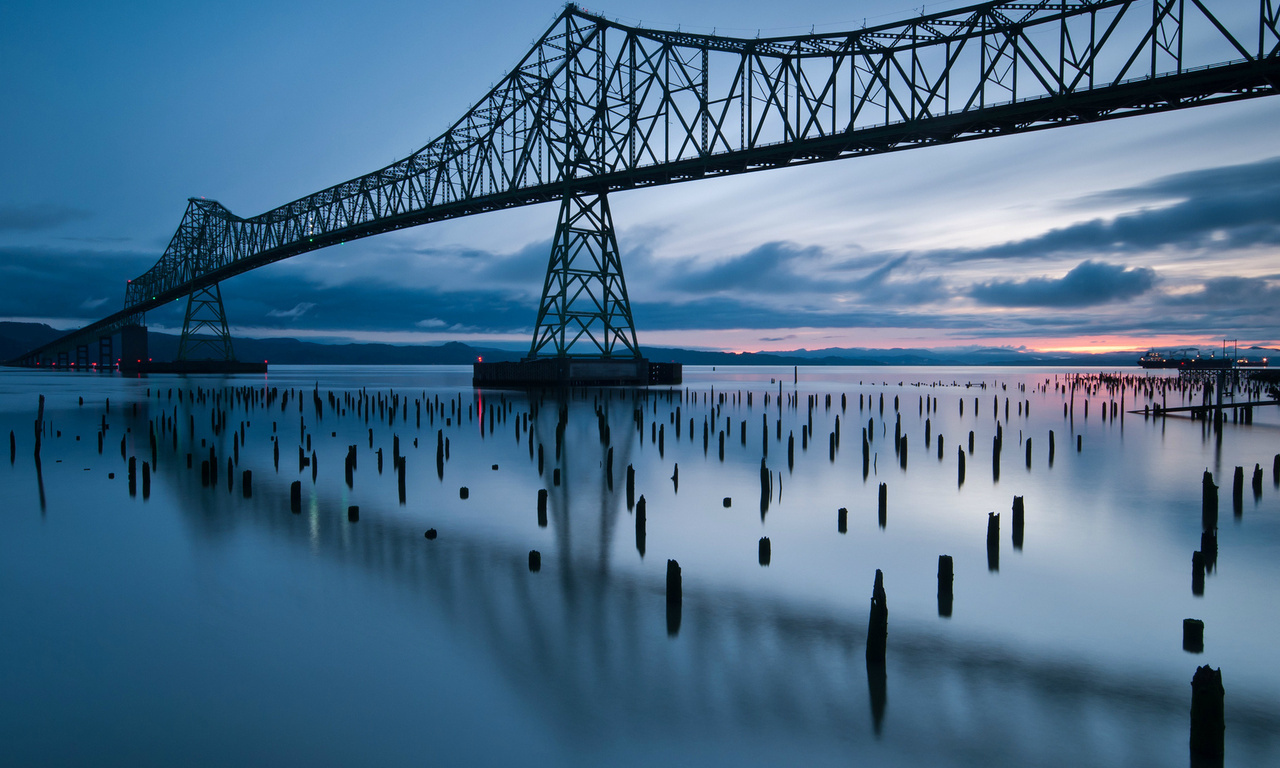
x: 17, y: 338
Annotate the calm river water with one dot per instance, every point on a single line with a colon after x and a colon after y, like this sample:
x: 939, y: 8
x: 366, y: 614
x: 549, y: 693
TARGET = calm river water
x: 190, y: 625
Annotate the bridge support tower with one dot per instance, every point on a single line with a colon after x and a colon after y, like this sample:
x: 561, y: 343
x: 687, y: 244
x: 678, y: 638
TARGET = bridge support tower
x: 204, y: 329
x: 585, y: 334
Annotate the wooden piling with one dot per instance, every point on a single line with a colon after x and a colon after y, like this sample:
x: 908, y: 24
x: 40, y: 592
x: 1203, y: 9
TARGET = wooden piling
x: 641, y: 524
x: 1208, y: 502
x: 993, y: 541
x: 1193, y: 635
x: 631, y: 486
x: 878, y: 624
x: 946, y: 579
x: 295, y: 497
x: 1018, y: 522
x: 675, y: 598
x: 1208, y: 714
x: 765, y: 550
x: 535, y: 557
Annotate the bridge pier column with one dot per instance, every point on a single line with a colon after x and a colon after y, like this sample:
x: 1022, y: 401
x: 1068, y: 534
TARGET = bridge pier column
x: 63, y: 358
x: 133, y: 345
x: 106, y: 355
x: 82, y: 355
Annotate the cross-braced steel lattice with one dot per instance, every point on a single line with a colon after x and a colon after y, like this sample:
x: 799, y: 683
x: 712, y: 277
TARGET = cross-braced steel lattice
x: 584, y: 310
x: 598, y: 106
x: 204, y: 329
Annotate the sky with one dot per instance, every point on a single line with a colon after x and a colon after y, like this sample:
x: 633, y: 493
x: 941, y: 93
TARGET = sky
x: 1160, y: 230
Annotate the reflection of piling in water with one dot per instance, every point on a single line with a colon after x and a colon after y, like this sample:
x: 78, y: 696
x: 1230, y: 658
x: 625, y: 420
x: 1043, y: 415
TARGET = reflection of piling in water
x: 1208, y: 715
x: 765, y: 550
x: 866, y: 455
x: 1237, y: 491
x: 884, y: 504
x: 400, y: 473
x: 995, y: 459
x: 946, y: 580
x: 878, y: 624
x: 1208, y: 502
x: 993, y: 541
x: 1197, y: 573
x: 1193, y: 635
x: 1018, y: 522
x: 1209, y: 549
x: 877, y: 688
x: 675, y: 598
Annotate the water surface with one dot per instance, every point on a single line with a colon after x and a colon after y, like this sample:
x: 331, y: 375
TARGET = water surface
x: 195, y: 626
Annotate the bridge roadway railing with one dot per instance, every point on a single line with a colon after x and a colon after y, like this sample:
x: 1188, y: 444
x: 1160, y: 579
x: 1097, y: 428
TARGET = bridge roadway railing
x: 597, y: 105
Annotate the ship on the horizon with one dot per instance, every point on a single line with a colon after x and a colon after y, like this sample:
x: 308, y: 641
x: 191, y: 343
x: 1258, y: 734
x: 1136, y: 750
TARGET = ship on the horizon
x: 1153, y: 359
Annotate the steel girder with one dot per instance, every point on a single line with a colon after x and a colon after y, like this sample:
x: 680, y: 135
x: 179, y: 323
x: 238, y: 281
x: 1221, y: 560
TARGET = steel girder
x: 598, y: 106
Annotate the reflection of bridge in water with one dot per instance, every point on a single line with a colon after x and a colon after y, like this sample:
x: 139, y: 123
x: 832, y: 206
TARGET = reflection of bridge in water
x: 597, y: 106
x: 589, y: 641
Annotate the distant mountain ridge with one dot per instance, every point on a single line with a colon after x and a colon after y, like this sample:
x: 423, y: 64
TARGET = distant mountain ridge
x: 17, y: 338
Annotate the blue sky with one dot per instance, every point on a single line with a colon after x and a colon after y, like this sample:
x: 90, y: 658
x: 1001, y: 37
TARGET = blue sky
x: 1157, y: 230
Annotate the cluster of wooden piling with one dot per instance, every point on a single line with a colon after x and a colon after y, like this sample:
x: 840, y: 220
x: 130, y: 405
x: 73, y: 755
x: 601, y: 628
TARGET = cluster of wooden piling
x: 721, y: 413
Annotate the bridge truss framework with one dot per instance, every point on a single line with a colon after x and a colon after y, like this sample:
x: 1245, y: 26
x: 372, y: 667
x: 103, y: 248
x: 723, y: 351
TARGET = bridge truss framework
x: 597, y: 107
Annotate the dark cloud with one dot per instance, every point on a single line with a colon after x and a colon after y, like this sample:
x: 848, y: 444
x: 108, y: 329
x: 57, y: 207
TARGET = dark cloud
x: 1221, y: 209
x: 775, y: 267
x: 782, y: 268
x: 40, y: 282
x: 1089, y: 284
x: 37, y: 216
x: 1239, y: 294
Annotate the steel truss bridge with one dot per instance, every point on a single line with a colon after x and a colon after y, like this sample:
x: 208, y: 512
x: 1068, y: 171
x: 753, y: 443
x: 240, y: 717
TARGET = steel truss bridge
x: 597, y: 107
